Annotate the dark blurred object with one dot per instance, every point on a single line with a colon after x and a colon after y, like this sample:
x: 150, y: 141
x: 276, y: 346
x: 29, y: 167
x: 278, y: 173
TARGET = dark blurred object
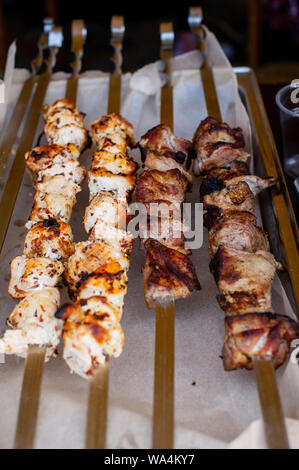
x: 273, y: 46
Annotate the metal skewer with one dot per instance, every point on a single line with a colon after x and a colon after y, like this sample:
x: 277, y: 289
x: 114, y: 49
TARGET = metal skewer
x: 11, y: 189
x: 163, y: 407
x: 96, y: 427
x: 8, y: 137
x: 79, y: 34
x: 195, y: 19
x: 28, y: 407
x: 274, y: 424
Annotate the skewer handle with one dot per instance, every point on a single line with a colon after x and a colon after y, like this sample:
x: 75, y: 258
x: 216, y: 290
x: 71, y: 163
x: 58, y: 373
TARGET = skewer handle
x: 79, y: 34
x: 195, y: 20
x: 274, y: 424
x: 97, y: 409
x: 29, y: 401
x: 163, y: 415
x: 117, y: 35
x: 166, y: 52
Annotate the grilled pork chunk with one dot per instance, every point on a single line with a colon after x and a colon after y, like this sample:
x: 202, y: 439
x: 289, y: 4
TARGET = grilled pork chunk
x: 50, y: 238
x: 31, y: 274
x: 168, y: 274
x: 244, y: 280
x: 235, y: 197
x: 169, y: 232
x: 255, y: 335
x: 237, y: 230
x: 154, y: 185
x: 216, y: 144
x: 161, y: 150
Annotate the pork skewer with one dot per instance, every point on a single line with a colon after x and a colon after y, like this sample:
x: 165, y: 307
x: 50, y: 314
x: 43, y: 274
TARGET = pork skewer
x: 243, y: 269
x: 168, y: 272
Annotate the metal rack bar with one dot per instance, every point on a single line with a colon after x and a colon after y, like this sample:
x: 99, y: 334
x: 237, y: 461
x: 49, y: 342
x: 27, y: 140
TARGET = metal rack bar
x: 163, y: 406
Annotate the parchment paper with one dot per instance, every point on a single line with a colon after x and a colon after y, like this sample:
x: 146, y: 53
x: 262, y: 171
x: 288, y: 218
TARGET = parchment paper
x: 213, y: 408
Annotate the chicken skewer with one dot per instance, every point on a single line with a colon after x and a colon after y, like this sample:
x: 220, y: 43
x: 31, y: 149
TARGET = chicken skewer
x: 36, y: 332
x: 243, y: 268
x: 168, y: 272
x: 96, y: 273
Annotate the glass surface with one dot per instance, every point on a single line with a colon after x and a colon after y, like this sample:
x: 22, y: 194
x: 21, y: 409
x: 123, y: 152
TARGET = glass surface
x: 287, y: 100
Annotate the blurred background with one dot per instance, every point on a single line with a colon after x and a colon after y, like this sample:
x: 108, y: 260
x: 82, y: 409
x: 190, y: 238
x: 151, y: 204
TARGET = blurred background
x: 263, y: 34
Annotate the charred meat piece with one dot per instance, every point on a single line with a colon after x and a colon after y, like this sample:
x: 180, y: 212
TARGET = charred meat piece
x: 257, y: 335
x: 50, y: 206
x: 154, y: 185
x: 31, y: 274
x: 215, y: 180
x: 50, y: 238
x: 89, y: 257
x: 89, y: 338
x: 234, y: 197
x: 168, y: 274
x: 107, y: 207
x: 58, y: 185
x: 256, y: 183
x: 116, y: 163
x: 244, y: 280
x: 168, y: 231
x: 112, y: 236
x: 56, y: 106
x: 161, y: 150
x: 33, y: 322
x: 64, y: 124
x: 103, y: 180
x: 112, y: 126
x: 39, y: 158
x: 71, y: 171
x: 110, y: 282
x: 237, y: 230
x: 216, y: 144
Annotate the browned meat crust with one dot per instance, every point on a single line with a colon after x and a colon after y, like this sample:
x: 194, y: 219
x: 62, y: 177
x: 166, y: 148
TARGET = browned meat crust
x: 244, y: 280
x: 257, y: 335
x: 237, y: 230
x: 161, y: 150
x: 217, y: 144
x: 167, y: 274
x: 154, y: 185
